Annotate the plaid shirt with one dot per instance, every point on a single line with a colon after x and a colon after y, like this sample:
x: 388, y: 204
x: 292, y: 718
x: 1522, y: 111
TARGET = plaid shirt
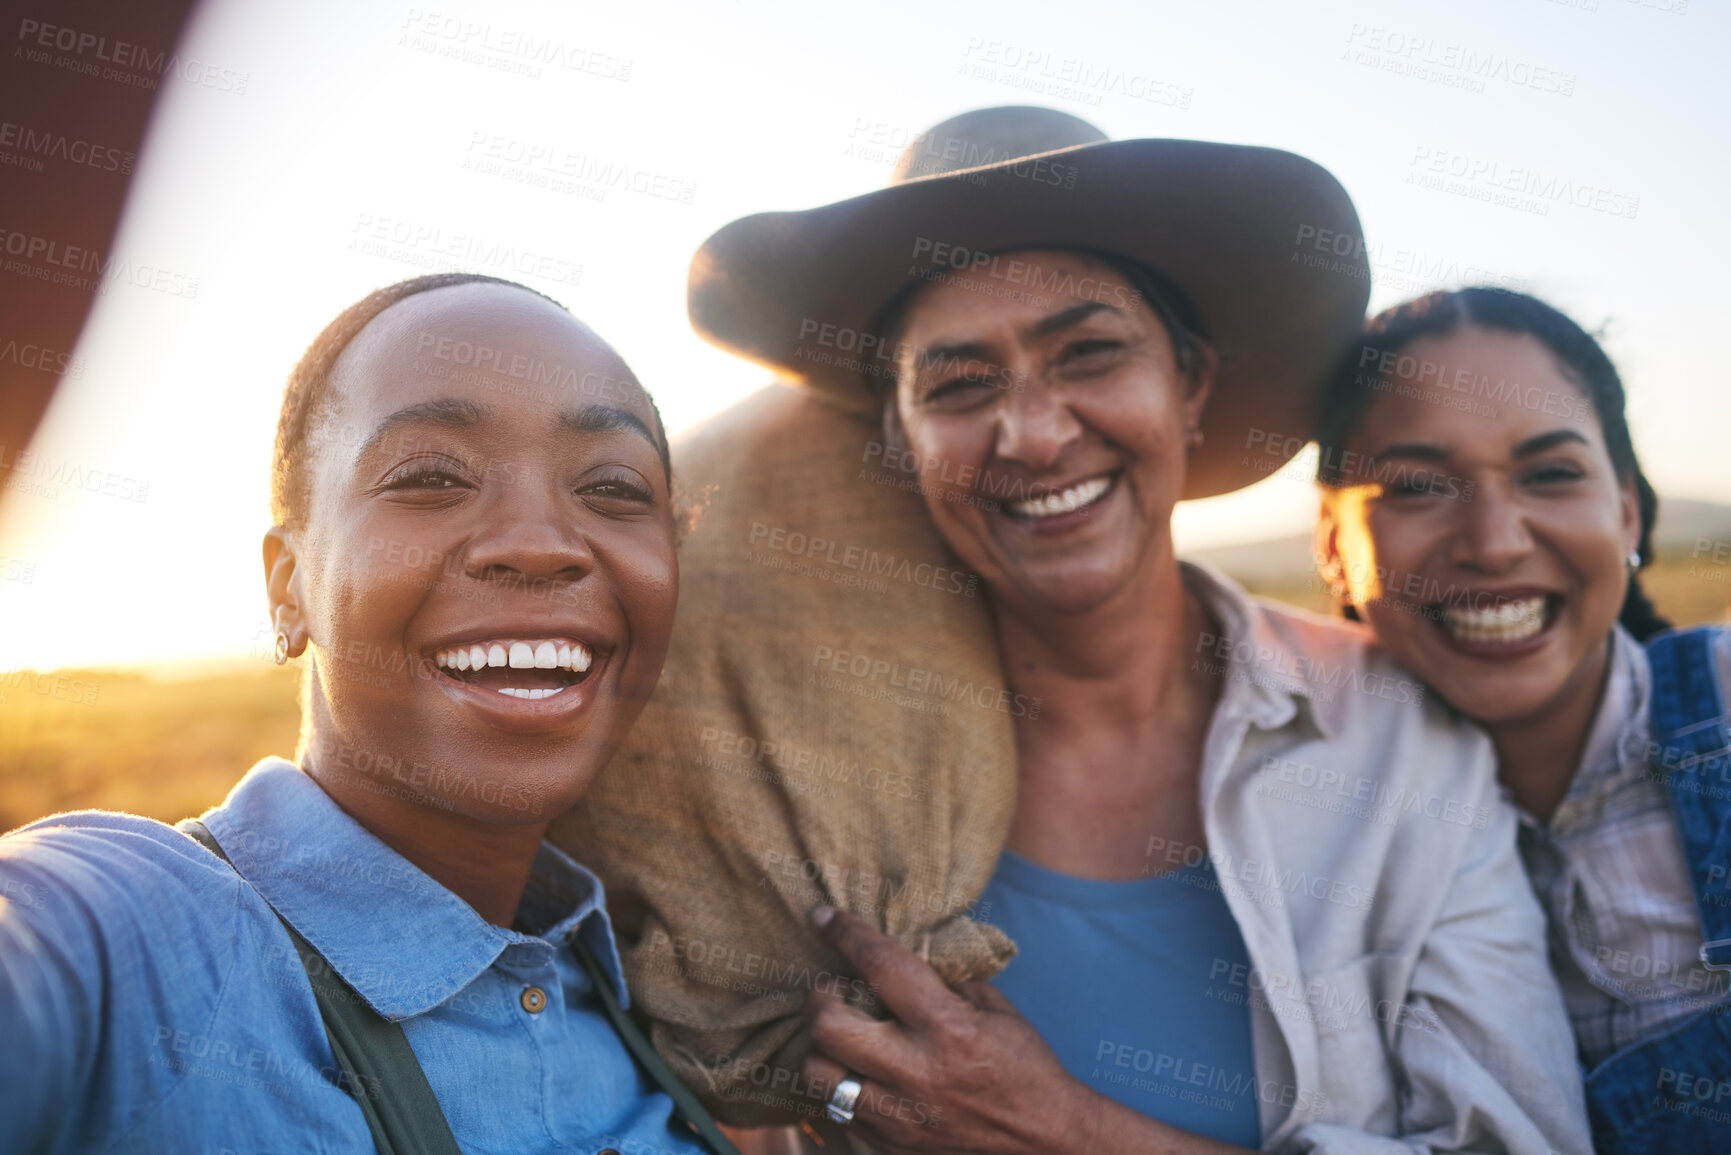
x: 1624, y: 926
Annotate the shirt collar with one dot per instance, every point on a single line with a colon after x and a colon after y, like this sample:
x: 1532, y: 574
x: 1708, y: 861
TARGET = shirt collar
x: 1265, y: 674
x: 1617, y: 741
x: 399, y: 938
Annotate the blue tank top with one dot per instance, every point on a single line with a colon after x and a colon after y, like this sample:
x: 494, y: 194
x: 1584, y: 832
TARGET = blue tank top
x: 1138, y: 987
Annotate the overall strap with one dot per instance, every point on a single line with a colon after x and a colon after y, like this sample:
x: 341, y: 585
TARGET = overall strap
x: 1691, y: 746
x: 372, y: 1052
x: 644, y: 1052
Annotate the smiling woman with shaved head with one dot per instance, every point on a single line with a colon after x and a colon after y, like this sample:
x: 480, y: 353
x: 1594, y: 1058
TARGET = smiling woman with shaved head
x: 372, y: 944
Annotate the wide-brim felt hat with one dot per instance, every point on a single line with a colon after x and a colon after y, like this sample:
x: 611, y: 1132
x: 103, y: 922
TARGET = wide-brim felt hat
x: 1264, y: 244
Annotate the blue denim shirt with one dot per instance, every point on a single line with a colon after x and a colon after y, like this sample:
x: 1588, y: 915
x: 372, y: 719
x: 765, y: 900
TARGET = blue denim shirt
x: 150, y: 1001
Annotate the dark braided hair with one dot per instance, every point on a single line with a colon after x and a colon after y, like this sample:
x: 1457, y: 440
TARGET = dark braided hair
x: 1579, y: 355
x: 307, y: 395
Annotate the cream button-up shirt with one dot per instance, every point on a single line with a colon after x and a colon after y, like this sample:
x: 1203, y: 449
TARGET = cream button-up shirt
x: 1400, y: 994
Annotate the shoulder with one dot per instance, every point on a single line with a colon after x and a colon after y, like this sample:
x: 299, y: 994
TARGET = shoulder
x: 1367, y: 701
x: 106, y: 878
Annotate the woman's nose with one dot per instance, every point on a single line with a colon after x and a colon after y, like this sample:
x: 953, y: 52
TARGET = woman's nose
x: 1493, y: 532
x: 530, y: 531
x: 1034, y: 424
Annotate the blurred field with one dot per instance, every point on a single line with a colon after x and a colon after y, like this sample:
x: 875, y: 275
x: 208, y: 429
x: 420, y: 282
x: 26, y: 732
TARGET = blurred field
x: 123, y: 740
x: 169, y: 748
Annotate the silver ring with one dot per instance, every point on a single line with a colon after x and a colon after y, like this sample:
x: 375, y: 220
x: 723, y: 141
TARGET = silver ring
x: 842, y: 1099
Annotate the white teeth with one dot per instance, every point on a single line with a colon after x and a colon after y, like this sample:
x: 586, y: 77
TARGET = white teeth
x: 545, y: 654
x: 1064, y: 500
x: 1511, y: 621
x: 530, y: 695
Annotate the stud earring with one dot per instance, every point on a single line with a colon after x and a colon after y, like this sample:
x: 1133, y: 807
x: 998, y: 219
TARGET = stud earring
x: 281, y: 654
x: 1196, y: 438
x: 1634, y: 560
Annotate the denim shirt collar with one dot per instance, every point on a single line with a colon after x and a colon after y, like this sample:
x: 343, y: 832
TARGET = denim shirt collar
x: 399, y: 938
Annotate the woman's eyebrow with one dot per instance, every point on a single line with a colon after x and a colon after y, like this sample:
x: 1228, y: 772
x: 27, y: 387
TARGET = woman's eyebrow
x: 1074, y: 315
x: 451, y: 412
x: 1418, y: 450
x: 602, y: 418
x: 1546, y: 441
x: 982, y: 350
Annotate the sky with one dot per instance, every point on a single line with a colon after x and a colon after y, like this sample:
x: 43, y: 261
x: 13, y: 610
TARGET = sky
x: 1570, y: 149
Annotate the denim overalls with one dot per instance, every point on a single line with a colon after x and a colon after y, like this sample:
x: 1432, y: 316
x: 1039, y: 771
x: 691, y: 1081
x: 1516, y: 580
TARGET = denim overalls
x: 1672, y: 1094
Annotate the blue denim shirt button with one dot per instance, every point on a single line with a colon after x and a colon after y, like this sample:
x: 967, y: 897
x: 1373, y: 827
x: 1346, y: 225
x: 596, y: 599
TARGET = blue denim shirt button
x: 534, y: 1000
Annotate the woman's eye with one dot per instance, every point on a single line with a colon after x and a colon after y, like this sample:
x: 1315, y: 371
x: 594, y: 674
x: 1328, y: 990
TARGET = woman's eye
x: 618, y: 489
x: 1081, y: 354
x: 424, y: 478
x: 1412, y: 485
x: 955, y: 389
x: 1555, y: 474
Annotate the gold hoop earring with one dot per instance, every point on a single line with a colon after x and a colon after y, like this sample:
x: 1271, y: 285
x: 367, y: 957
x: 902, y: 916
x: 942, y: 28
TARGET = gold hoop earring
x: 282, y: 643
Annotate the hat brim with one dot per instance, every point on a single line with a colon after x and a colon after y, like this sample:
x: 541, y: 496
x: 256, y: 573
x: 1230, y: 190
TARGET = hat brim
x: 1253, y: 236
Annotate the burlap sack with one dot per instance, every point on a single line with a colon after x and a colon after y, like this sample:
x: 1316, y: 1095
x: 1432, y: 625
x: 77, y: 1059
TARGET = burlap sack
x: 832, y: 726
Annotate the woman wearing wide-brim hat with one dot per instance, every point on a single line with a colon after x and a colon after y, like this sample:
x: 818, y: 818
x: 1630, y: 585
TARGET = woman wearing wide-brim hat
x: 1265, y: 893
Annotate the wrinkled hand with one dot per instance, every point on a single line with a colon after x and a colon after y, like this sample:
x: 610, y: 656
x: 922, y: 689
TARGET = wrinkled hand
x: 957, y: 1069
